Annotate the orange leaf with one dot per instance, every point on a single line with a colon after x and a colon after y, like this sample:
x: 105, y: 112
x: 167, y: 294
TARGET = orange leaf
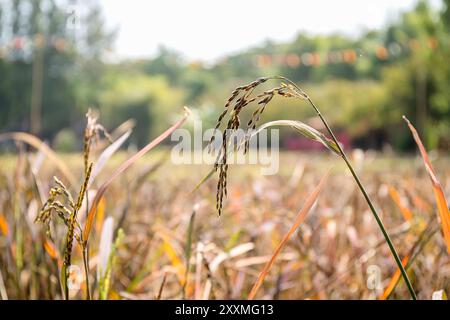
x: 167, y: 235
x: 100, y: 215
x: 394, y: 279
x: 4, y: 225
x: 50, y: 248
x: 398, y: 201
x: 442, y: 204
x: 298, y: 220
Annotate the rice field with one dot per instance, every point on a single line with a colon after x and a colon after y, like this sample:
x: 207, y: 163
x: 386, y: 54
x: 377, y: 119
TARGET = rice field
x: 337, y: 252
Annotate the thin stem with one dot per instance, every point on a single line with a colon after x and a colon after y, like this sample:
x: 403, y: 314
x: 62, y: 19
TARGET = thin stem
x: 369, y: 202
x: 66, y: 287
x: 86, y: 269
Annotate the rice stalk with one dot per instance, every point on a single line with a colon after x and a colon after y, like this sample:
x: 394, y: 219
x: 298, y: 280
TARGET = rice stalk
x: 242, y: 97
x: 63, y: 204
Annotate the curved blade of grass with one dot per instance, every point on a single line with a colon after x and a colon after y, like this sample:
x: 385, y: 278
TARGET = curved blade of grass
x: 305, y: 130
x: 298, y: 220
x: 106, y: 154
x: 123, y: 128
x: 122, y: 168
x: 42, y: 146
x: 441, y: 202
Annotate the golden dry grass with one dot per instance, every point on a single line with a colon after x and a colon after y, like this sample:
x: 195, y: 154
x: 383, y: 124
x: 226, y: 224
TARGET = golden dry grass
x: 327, y: 258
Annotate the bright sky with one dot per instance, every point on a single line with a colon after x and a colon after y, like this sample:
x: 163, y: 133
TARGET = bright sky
x: 209, y: 29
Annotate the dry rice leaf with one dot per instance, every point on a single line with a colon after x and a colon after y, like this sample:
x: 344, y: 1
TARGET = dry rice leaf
x: 298, y: 220
x: 398, y: 201
x: 50, y: 249
x: 123, y: 128
x: 100, y: 214
x: 442, y: 204
x: 394, y: 279
x: 4, y: 228
x: 234, y: 252
x: 305, y: 130
x: 40, y: 145
x: 123, y: 167
x: 248, y: 262
x: 174, y: 259
x: 106, y: 154
x: 105, y: 247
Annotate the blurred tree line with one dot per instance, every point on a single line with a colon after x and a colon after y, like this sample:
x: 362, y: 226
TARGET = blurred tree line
x: 50, y: 63
x: 55, y: 67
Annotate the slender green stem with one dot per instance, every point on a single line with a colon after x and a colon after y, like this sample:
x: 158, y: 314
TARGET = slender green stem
x: 85, y: 250
x: 65, y: 287
x: 86, y: 270
x: 369, y: 202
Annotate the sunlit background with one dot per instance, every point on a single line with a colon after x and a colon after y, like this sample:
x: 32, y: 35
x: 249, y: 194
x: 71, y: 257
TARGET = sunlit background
x: 207, y: 31
x: 364, y: 63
